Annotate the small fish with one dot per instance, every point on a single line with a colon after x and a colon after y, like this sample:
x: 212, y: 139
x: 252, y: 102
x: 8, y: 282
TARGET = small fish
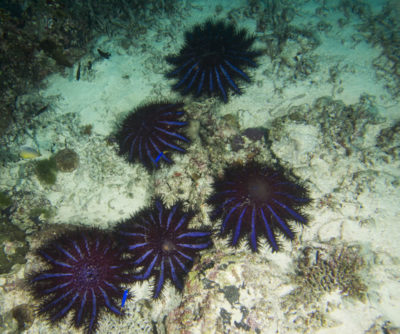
x: 159, y: 157
x: 124, y: 298
x: 27, y: 152
x: 162, y: 154
x: 78, y: 72
x: 104, y: 54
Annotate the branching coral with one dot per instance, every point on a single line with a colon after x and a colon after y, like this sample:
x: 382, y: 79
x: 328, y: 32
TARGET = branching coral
x: 320, y: 271
x: 323, y: 270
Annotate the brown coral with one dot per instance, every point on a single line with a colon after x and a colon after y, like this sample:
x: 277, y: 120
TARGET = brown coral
x: 322, y: 270
x: 67, y: 160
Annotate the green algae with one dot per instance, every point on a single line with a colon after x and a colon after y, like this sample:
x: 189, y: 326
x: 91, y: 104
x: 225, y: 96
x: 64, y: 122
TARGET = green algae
x: 46, y: 171
x: 5, y: 201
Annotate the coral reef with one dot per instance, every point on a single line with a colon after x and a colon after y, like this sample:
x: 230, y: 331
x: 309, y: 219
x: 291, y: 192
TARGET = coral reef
x: 161, y: 242
x: 150, y: 132
x: 84, y: 274
x: 338, y: 145
x: 212, y: 59
x: 256, y: 200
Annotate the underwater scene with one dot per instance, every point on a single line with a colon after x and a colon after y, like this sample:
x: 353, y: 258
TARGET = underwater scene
x: 200, y: 166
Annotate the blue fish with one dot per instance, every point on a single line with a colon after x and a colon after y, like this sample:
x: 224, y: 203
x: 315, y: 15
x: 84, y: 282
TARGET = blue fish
x: 124, y: 298
x: 159, y: 157
x: 162, y: 154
